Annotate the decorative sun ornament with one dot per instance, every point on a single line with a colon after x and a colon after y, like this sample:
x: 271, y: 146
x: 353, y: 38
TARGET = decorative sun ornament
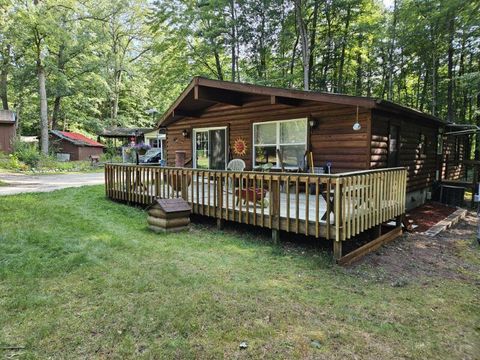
x: 240, y: 147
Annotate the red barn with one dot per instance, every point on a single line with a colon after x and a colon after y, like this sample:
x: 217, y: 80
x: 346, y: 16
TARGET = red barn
x: 7, y: 130
x: 78, y: 146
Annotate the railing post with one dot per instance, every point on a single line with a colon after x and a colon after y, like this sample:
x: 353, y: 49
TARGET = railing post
x: 219, y: 202
x: 184, y: 185
x: 275, y: 215
x: 337, y: 242
x: 128, y: 184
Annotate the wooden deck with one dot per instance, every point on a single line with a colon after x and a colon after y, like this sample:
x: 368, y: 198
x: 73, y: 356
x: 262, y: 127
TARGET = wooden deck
x: 298, y: 203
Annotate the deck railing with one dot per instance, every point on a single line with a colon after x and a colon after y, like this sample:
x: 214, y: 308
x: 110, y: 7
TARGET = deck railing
x: 332, y: 206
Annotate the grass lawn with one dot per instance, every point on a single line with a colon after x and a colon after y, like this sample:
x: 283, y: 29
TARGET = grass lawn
x: 82, y: 277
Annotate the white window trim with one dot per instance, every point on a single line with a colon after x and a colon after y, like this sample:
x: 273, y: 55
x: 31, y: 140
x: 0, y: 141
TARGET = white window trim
x: 277, y: 144
x: 194, y: 144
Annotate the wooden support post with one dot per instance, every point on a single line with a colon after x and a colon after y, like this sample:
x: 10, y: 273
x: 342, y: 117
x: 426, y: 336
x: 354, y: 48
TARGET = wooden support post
x: 220, y: 224
x: 337, y: 249
x: 275, y: 236
x: 398, y: 221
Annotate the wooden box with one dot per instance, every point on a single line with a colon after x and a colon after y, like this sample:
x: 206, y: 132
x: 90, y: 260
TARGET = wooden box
x: 169, y: 215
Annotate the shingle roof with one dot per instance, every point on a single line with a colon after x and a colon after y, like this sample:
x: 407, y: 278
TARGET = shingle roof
x: 7, y: 116
x: 76, y: 138
x: 123, y: 132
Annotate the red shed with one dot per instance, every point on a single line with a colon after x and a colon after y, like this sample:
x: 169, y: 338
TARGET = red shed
x: 77, y: 145
x: 7, y: 130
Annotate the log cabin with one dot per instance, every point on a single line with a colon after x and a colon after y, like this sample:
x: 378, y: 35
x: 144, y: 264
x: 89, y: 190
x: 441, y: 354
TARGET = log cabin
x: 213, y: 122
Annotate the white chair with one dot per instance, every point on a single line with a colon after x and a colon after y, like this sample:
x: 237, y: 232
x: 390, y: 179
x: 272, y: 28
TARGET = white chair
x: 237, y: 165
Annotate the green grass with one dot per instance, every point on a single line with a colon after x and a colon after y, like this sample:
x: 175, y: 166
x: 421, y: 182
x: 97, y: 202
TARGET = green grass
x: 82, y: 277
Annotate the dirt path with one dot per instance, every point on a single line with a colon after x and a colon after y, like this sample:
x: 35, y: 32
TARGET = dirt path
x: 452, y: 254
x: 20, y: 183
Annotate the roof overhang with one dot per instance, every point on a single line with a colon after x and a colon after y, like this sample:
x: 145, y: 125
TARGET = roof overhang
x: 203, y: 93
x: 7, y: 117
x: 461, y: 129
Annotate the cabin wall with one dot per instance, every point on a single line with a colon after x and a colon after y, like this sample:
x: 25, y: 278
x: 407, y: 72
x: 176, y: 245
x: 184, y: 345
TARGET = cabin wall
x: 454, y: 153
x: 332, y: 139
x: 76, y: 152
x: 84, y: 152
x: 417, y: 151
x: 7, y: 134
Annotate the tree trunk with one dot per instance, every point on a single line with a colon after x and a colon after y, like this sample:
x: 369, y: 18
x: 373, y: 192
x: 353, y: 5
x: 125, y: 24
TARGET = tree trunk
x: 56, y: 111
x: 434, y: 84
x: 326, y: 62
x: 292, y: 60
x: 358, y: 84
x: 463, y: 104
x: 304, y: 43
x: 426, y: 80
x: 342, y: 54
x: 4, y: 77
x: 313, y: 36
x: 451, y: 33
x: 42, y: 92
x: 3, y: 88
x: 390, y: 53
x: 233, y: 40
x: 218, y: 65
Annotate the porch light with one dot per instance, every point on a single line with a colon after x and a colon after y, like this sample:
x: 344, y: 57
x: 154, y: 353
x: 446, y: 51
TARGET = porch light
x: 356, y: 125
x: 312, y: 123
x: 185, y: 133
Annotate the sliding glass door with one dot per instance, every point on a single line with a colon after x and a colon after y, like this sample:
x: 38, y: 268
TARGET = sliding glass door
x: 210, y: 148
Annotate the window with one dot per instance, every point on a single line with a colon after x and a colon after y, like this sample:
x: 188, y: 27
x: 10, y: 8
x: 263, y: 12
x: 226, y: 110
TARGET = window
x: 440, y: 142
x: 458, y: 149
x: 422, y: 144
x: 155, y: 143
x: 288, y: 138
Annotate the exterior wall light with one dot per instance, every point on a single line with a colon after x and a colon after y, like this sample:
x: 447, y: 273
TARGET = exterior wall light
x: 356, y: 125
x: 185, y: 133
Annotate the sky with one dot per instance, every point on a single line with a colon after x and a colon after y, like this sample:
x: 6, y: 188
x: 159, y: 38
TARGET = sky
x: 388, y: 3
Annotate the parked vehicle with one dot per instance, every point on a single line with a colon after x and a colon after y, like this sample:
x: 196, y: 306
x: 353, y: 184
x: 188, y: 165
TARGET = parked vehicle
x: 152, y: 156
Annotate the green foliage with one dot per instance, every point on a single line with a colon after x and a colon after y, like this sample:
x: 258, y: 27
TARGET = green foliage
x: 27, y: 153
x: 29, y: 159
x: 11, y: 162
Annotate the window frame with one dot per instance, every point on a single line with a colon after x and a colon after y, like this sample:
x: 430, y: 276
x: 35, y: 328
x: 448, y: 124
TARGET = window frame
x: 277, y: 143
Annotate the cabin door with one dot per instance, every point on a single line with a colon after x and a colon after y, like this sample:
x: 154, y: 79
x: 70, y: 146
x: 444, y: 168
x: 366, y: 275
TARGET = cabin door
x: 210, y: 148
x: 393, y: 145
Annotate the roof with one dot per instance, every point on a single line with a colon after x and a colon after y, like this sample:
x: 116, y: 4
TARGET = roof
x: 120, y: 132
x: 7, y: 117
x: 173, y: 205
x: 76, y: 138
x: 203, y: 93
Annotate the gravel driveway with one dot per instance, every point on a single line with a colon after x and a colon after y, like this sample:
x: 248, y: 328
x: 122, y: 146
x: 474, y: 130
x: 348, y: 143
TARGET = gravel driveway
x: 20, y: 183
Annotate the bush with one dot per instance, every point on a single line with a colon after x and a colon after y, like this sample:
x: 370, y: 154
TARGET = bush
x: 27, y: 153
x: 11, y: 162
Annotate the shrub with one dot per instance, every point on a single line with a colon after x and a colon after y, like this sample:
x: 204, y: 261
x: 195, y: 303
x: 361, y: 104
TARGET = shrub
x: 27, y: 153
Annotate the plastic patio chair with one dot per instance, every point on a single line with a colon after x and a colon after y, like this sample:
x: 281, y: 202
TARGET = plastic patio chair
x: 235, y: 165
